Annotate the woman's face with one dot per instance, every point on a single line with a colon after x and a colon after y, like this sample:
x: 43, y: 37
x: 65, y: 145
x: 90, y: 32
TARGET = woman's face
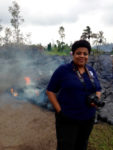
x: 80, y: 56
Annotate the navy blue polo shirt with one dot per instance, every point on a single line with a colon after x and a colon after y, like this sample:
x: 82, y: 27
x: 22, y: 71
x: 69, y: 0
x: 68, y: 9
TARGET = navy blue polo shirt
x: 72, y: 95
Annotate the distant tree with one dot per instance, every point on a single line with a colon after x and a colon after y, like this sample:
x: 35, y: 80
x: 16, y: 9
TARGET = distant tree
x: 16, y: 20
x: 54, y: 47
x: 49, y: 47
x: 99, y: 39
x: 7, y: 37
x: 40, y: 47
x: 87, y: 33
x: 59, y: 46
x: 83, y: 36
x: 62, y: 35
x: 28, y: 38
x: 94, y: 35
x: 61, y: 32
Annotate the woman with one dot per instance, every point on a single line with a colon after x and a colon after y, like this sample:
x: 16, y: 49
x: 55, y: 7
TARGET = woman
x: 74, y: 83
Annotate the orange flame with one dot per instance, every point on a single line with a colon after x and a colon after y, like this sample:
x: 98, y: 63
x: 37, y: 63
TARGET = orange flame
x: 13, y: 93
x: 12, y: 90
x: 27, y: 80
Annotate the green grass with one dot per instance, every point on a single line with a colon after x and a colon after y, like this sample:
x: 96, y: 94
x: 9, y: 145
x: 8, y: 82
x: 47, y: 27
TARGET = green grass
x: 101, y: 137
x: 56, y: 53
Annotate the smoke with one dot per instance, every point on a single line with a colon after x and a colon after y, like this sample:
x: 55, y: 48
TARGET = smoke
x: 21, y: 63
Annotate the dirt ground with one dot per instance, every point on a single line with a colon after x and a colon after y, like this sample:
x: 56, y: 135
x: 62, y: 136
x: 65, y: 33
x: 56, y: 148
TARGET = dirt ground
x: 24, y: 126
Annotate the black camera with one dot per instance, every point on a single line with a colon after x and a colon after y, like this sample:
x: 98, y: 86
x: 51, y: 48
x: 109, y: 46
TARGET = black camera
x: 94, y: 99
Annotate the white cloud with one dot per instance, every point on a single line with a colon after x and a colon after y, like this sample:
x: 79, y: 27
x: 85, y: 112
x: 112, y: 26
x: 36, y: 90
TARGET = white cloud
x: 44, y: 17
x: 107, y: 17
x: 4, y: 14
x: 56, y: 12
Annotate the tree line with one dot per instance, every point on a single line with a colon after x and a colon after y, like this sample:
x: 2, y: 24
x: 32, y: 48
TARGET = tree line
x: 96, y: 39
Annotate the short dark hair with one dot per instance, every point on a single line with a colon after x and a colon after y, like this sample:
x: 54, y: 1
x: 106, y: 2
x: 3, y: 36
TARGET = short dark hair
x: 81, y: 43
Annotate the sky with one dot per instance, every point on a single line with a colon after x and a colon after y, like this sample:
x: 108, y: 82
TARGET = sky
x: 43, y: 18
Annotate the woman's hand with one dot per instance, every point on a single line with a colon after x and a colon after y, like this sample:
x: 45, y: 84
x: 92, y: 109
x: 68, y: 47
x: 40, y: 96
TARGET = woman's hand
x: 98, y: 94
x: 53, y: 99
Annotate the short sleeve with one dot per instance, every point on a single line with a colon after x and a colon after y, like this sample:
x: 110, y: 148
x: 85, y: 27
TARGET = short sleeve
x: 55, y: 81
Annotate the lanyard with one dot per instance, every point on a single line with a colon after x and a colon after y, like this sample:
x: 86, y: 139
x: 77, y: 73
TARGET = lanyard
x: 75, y: 69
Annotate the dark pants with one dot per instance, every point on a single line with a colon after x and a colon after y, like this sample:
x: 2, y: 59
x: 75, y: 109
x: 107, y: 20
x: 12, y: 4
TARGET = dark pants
x: 71, y: 134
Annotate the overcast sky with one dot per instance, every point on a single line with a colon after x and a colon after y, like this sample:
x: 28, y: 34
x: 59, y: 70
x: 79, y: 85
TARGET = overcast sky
x: 44, y: 17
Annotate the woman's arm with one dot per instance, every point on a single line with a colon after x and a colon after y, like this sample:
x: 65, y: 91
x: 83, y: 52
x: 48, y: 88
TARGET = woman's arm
x: 53, y: 99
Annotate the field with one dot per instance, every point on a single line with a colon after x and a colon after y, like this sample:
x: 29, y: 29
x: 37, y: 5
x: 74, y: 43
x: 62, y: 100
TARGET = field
x: 24, y: 126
